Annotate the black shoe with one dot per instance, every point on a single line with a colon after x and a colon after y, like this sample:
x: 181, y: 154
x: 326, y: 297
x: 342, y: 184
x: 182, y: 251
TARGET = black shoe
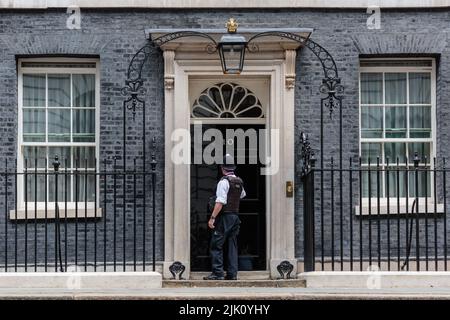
x: 231, y: 278
x: 213, y: 277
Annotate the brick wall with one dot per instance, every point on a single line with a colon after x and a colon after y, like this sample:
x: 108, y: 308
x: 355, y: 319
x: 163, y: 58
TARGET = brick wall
x: 115, y: 35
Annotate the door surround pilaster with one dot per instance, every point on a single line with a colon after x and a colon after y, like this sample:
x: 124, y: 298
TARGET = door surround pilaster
x: 279, y: 67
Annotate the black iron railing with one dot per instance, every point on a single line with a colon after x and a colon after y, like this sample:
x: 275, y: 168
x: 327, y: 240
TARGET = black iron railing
x: 77, y: 219
x: 389, y: 215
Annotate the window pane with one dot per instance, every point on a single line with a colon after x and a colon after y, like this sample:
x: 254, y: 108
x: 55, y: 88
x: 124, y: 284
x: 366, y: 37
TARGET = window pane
x: 58, y: 125
x: 370, y: 151
x: 420, y: 122
x: 420, y: 88
x: 371, y: 88
x: 423, y: 183
x: 83, y: 90
x: 394, y: 150
x: 34, y: 125
x: 395, y: 87
x: 83, y: 154
x: 372, y: 191
x: 35, y: 187
x: 34, y: 90
x: 59, y: 90
x: 86, y: 186
x: 395, y: 122
x: 422, y: 149
x: 84, y: 125
x: 371, y: 122
x: 33, y: 154
x: 63, y: 154
x: 63, y: 187
x: 396, y: 178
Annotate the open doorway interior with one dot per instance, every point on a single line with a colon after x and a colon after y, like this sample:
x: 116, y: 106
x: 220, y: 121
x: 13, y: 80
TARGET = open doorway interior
x: 204, y: 178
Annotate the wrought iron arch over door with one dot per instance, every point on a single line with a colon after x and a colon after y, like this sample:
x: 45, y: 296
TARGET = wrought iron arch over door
x: 331, y: 86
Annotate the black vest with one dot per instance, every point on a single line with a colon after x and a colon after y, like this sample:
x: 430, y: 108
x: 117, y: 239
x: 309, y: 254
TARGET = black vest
x: 234, y: 194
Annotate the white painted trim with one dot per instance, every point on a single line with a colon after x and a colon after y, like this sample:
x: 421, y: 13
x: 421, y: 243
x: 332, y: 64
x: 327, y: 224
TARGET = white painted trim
x: 21, y: 144
x: 50, y: 213
x: 280, y: 209
x: 394, y: 209
x: 261, y: 85
x: 230, y: 121
x: 432, y: 140
x: 232, y: 4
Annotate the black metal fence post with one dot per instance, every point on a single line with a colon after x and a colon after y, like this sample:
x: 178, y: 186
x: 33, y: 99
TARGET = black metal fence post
x: 308, y: 198
x: 416, y: 190
x: 153, y: 167
x: 6, y: 215
x: 58, y: 253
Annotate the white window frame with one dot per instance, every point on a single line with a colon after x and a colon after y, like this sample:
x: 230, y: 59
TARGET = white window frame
x: 432, y: 140
x: 90, y: 212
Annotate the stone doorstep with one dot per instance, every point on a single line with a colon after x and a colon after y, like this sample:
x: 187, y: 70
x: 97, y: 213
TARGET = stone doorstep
x: 81, y: 280
x: 294, y: 283
x: 377, y: 279
x: 242, y: 275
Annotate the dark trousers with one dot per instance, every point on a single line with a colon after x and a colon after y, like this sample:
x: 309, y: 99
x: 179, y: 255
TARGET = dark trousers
x: 225, y: 232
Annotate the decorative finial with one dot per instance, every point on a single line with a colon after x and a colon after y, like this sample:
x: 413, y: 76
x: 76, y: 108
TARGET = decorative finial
x: 416, y: 159
x: 232, y: 25
x: 56, y: 163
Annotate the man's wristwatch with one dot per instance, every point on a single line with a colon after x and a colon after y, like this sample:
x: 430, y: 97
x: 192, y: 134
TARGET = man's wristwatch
x: 213, y: 218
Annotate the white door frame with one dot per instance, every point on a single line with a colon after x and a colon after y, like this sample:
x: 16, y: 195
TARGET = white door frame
x: 260, y: 87
x: 280, y: 209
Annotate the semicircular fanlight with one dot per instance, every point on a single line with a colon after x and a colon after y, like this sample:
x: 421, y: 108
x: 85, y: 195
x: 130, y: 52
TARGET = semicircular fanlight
x: 227, y: 100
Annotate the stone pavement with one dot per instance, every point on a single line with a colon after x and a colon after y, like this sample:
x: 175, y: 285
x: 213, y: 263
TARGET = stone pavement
x: 229, y: 294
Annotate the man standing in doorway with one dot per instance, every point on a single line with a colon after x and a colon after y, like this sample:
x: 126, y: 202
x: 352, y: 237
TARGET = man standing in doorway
x: 224, y: 222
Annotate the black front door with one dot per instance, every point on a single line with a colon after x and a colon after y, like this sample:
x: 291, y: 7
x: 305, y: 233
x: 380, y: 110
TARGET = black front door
x: 252, y: 237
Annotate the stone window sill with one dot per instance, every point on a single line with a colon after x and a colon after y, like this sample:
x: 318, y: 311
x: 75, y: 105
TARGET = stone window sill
x: 40, y: 212
x: 425, y: 207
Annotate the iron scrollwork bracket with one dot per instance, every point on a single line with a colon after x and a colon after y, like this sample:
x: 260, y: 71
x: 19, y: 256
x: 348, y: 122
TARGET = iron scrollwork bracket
x: 331, y: 83
x: 333, y: 90
x: 132, y: 90
x: 177, y: 269
x: 134, y: 85
x: 285, y: 269
x: 308, y: 159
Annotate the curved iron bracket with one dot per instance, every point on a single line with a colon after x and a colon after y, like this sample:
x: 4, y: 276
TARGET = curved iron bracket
x: 134, y: 82
x: 331, y: 84
x: 329, y: 66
